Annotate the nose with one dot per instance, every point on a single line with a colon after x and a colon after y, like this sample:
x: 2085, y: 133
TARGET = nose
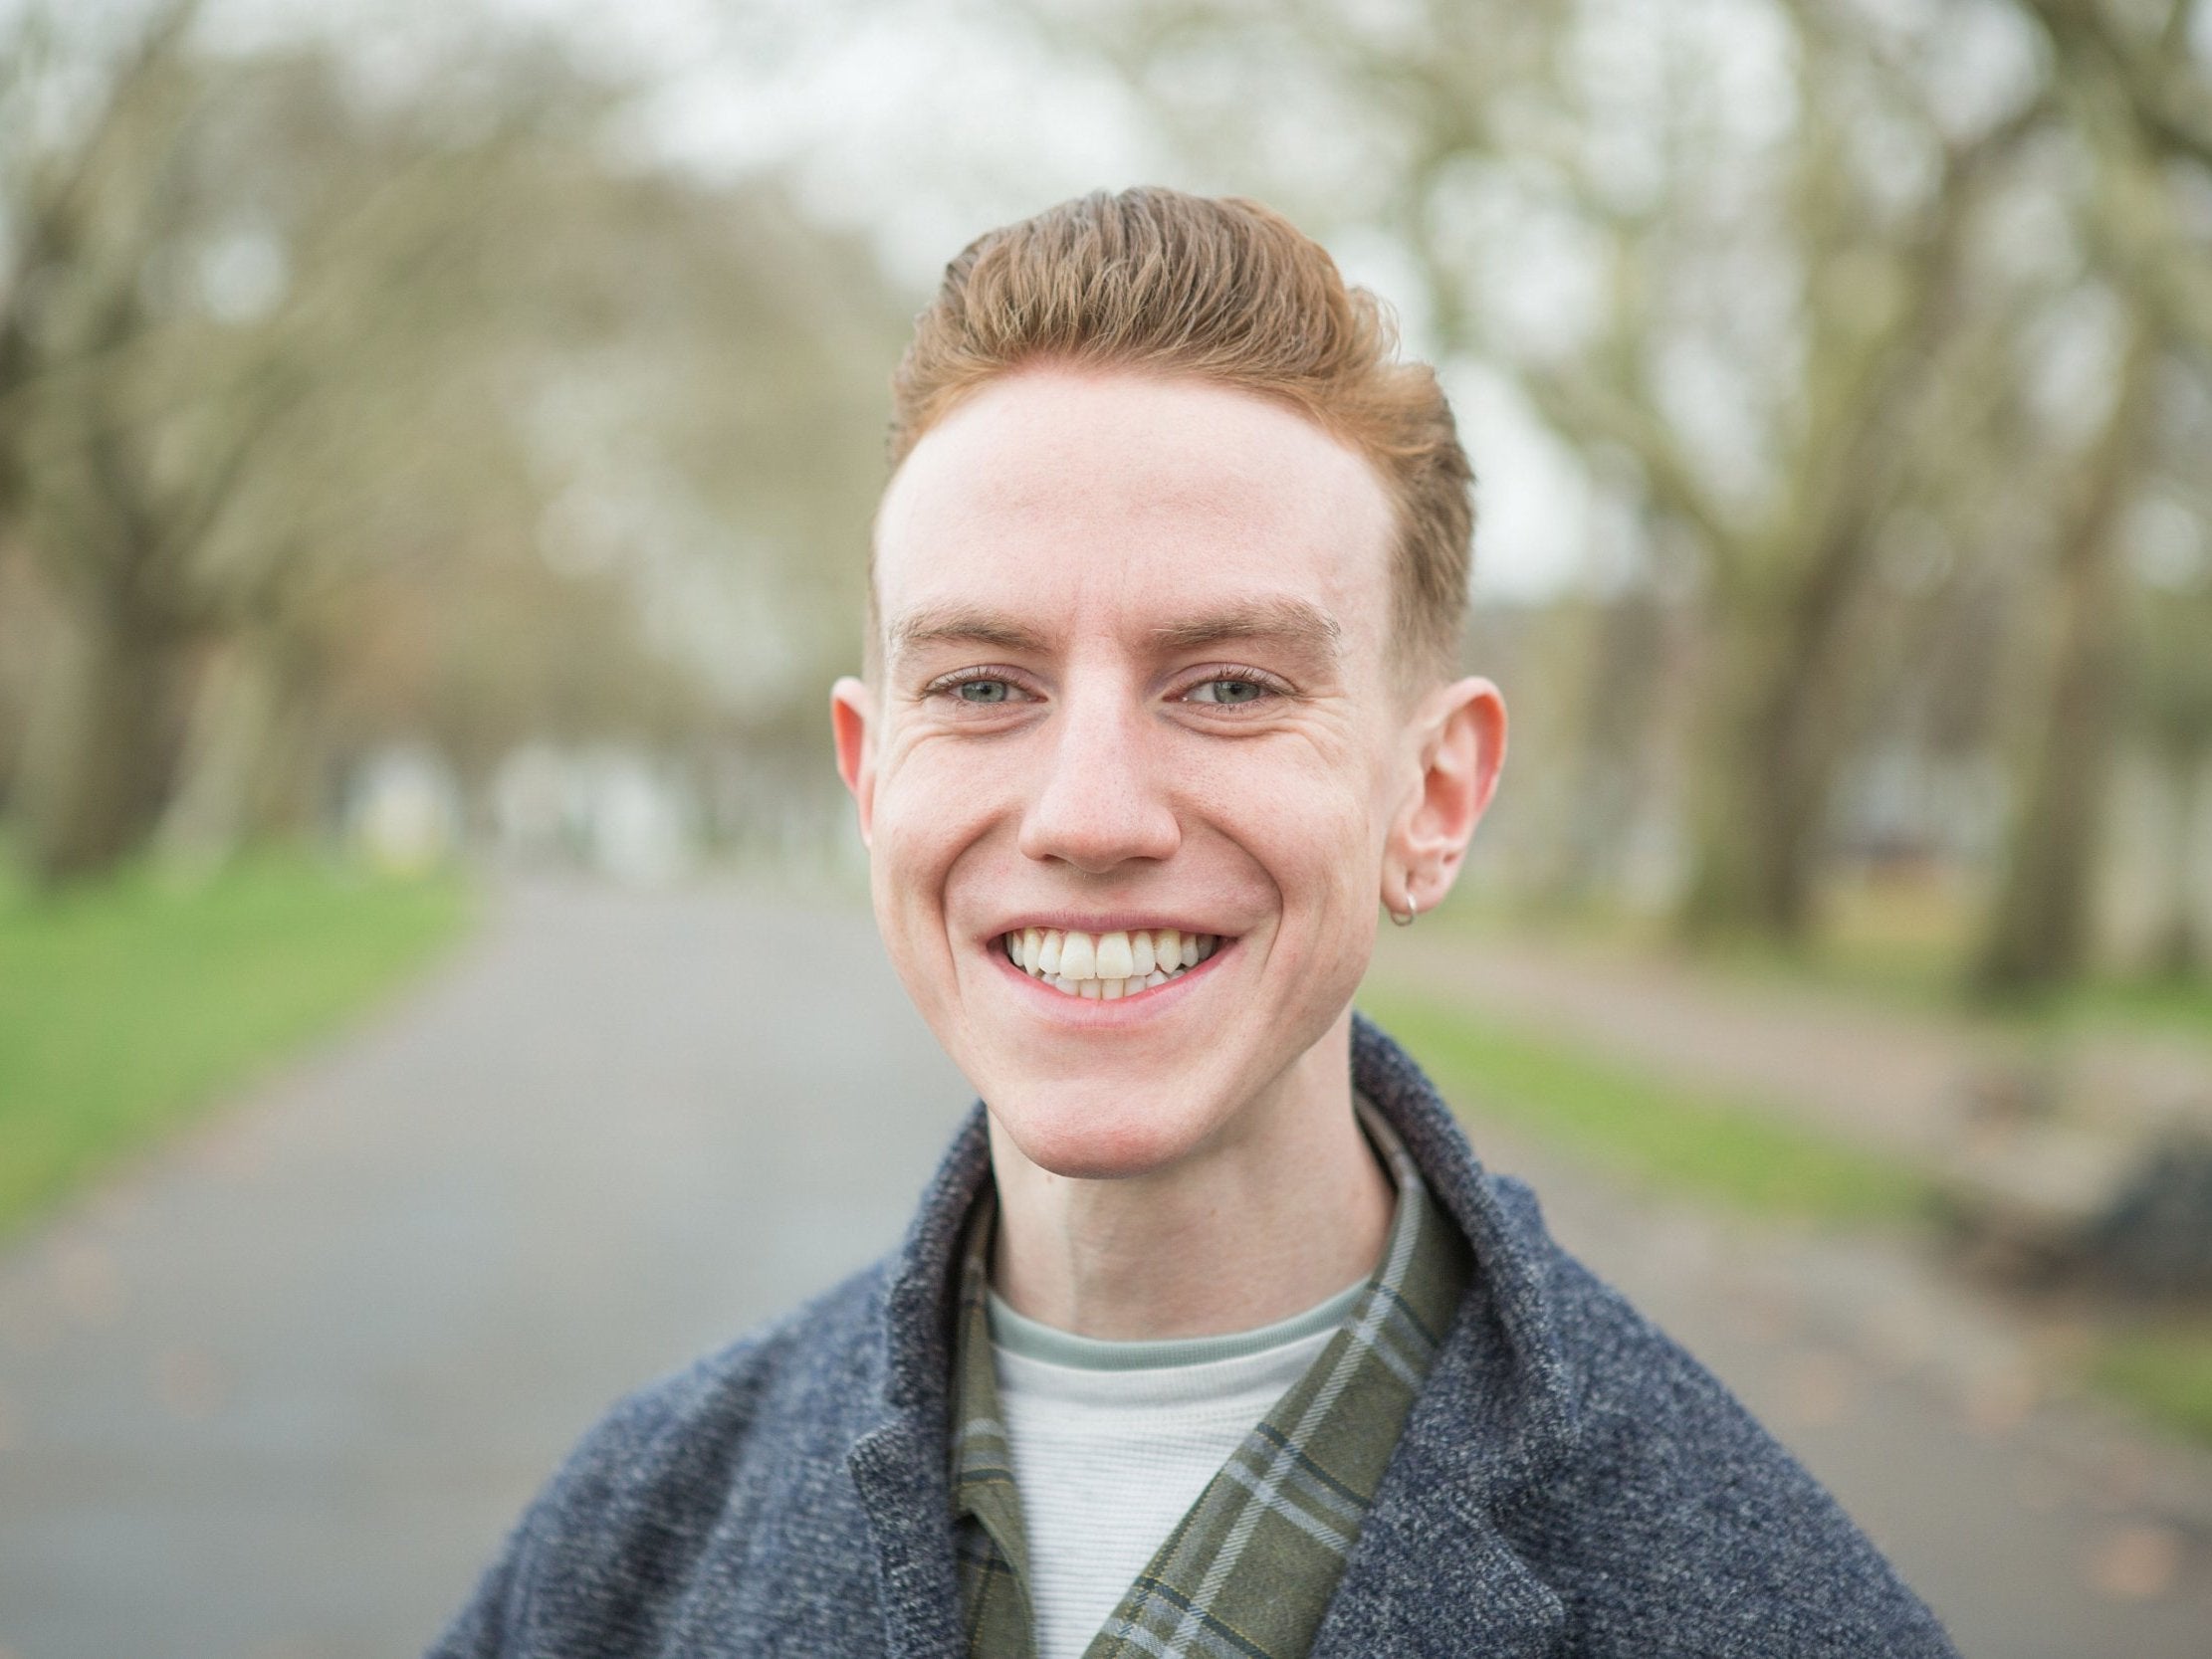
x: 1102, y: 799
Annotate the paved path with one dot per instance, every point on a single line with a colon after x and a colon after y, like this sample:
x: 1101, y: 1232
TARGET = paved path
x: 275, y: 1393
x: 279, y: 1394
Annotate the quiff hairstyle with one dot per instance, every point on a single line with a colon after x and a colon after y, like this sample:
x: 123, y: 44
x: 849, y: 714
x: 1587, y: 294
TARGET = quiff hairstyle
x: 1224, y: 290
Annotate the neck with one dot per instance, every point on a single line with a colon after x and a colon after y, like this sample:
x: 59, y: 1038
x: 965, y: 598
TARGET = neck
x: 1282, y: 1209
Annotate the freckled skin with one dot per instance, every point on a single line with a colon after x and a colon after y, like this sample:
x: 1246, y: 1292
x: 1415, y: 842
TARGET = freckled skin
x: 1094, y: 770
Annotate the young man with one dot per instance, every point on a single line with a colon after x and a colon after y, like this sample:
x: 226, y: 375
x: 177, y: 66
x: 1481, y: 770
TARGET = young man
x: 1211, y: 1337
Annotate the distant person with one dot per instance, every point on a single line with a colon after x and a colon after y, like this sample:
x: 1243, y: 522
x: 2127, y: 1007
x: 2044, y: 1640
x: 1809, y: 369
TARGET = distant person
x: 1211, y: 1336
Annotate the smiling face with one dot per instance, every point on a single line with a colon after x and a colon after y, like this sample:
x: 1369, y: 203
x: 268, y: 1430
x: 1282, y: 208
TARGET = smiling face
x: 1136, y: 677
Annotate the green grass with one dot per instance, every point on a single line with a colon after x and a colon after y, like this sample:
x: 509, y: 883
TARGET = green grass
x: 1903, y: 945
x: 1915, y: 975
x: 1740, y: 1156
x: 2165, y: 1373
x: 127, y: 1005
x: 1621, y: 1120
x: 2180, y: 1006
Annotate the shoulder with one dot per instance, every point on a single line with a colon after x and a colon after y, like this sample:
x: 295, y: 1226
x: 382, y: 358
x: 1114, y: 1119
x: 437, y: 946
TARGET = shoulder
x: 1676, y: 1513
x: 681, y: 1468
x: 802, y: 1368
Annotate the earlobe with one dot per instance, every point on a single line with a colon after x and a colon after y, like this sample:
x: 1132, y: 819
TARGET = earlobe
x: 852, y: 726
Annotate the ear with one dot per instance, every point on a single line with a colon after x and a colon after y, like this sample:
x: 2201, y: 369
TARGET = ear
x: 852, y: 713
x: 1459, y: 734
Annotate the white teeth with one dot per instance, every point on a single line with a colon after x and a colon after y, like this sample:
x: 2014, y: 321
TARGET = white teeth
x: 1115, y: 960
x: 1107, y: 967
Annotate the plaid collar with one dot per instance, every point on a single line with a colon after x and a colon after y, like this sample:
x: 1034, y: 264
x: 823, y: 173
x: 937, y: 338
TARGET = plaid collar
x: 1248, y: 1571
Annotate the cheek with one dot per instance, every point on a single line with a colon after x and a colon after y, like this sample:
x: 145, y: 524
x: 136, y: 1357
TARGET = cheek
x: 927, y: 813
x: 1309, y: 825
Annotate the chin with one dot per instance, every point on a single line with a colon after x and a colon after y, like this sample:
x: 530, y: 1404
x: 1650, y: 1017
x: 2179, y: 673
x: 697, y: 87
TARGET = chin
x: 1095, y: 1134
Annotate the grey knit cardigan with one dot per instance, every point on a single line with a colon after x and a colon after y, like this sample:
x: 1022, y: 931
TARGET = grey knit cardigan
x: 1570, y: 1482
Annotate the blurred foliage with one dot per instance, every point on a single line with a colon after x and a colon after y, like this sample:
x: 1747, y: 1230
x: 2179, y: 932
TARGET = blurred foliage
x: 126, y: 1004
x: 333, y: 410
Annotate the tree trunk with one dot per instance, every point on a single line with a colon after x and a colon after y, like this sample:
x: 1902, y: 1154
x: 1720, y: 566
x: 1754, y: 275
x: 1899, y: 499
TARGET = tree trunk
x: 2178, y: 952
x: 2039, y: 933
x: 1731, y: 804
x: 1627, y: 665
x: 94, y: 754
x: 247, y: 754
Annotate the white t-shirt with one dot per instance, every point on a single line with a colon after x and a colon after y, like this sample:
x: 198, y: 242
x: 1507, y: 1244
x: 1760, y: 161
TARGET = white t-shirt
x: 1113, y: 1442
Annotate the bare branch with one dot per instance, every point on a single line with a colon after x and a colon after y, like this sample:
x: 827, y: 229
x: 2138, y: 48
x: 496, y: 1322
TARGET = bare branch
x: 2167, y: 91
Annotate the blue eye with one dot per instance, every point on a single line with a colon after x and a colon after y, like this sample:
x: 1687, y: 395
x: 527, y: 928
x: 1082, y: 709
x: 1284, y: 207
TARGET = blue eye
x: 982, y: 691
x: 1228, y: 690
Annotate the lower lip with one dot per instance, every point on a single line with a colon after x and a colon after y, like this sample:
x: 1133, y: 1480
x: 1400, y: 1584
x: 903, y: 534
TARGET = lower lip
x: 1096, y: 1011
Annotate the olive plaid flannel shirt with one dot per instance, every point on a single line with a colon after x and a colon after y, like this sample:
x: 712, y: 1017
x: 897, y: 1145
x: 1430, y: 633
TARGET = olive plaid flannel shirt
x: 1248, y: 1571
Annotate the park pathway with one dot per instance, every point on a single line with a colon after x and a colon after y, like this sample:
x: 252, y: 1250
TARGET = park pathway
x: 275, y: 1392
x: 279, y: 1393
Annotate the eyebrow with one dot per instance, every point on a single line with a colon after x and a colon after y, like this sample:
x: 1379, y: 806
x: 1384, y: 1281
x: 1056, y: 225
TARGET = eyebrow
x: 1291, y: 622
x: 959, y: 625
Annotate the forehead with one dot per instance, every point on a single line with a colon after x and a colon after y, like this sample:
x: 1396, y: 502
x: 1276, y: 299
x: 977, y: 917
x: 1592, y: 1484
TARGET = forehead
x: 1083, y: 502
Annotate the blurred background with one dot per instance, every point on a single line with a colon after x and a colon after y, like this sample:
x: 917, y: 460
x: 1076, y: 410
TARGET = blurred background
x: 437, y: 444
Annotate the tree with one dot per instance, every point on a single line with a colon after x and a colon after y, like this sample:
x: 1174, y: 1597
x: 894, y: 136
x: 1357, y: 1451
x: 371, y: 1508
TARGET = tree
x: 2138, y: 106
x: 271, y: 341
x: 225, y: 274
x: 1769, y: 316
x: 2151, y: 55
x: 2172, y: 643
x: 2039, y: 935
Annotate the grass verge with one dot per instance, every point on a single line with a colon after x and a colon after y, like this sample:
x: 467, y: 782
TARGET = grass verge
x: 125, y: 1006
x: 1632, y: 1125
x: 2164, y: 1373
x: 1742, y: 1157
x: 1904, y: 947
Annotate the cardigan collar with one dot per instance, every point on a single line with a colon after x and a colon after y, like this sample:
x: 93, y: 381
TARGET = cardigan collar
x: 1496, y: 1414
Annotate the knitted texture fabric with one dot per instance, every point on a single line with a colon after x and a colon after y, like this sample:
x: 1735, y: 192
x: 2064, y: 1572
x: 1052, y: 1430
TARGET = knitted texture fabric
x: 1569, y: 1482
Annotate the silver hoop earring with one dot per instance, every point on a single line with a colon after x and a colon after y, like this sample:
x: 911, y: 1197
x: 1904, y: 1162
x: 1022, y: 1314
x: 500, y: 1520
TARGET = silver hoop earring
x: 1412, y: 910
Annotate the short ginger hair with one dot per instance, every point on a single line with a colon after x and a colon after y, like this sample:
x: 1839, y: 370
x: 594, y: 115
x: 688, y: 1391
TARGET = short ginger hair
x: 1224, y: 290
